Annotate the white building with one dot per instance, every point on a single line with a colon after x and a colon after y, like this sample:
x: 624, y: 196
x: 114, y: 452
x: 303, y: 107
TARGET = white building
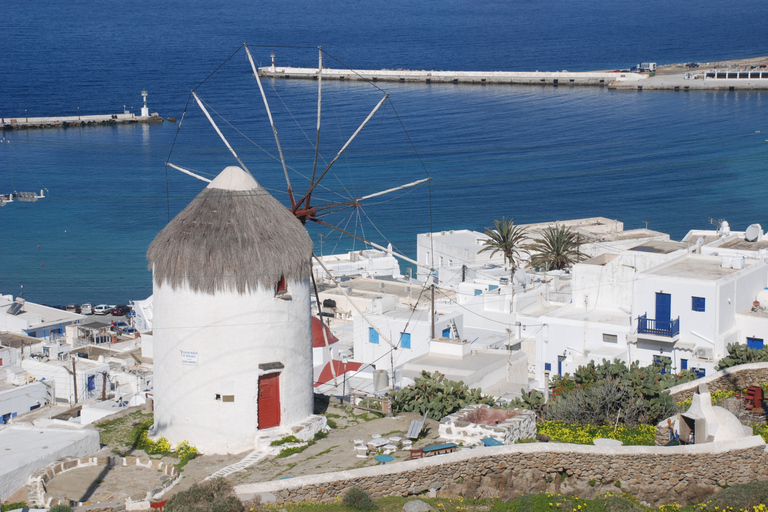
x: 366, y: 263
x: 35, y: 320
x: 85, y: 380
x: 688, y: 309
x: 231, y: 321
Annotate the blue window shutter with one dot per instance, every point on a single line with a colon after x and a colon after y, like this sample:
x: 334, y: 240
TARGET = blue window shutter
x: 446, y: 333
x: 547, y: 367
x: 756, y: 343
x: 405, y: 340
x: 373, y: 336
x: 683, y: 364
x: 698, y: 303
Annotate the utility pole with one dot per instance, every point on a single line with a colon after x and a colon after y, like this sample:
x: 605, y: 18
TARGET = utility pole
x: 74, y: 376
x: 433, y: 311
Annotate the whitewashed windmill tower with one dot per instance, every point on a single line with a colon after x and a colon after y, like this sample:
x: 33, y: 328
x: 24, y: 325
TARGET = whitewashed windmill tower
x: 232, y: 331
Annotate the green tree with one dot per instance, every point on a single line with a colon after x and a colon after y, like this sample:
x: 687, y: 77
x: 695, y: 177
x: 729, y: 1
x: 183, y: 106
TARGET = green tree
x: 556, y: 248
x: 506, y: 238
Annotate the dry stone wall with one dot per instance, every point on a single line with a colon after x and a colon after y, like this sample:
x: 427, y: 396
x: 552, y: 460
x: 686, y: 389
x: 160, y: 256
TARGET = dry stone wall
x: 735, y: 378
x: 657, y: 475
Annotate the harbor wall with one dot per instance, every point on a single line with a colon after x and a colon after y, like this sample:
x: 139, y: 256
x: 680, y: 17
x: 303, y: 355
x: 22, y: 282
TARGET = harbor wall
x: 657, y: 475
x: 456, y: 77
x: 24, y: 122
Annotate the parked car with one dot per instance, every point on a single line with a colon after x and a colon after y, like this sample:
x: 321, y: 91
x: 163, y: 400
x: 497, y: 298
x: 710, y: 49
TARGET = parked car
x: 120, y: 310
x: 72, y: 308
x: 86, y: 309
x: 101, y: 309
x: 130, y: 331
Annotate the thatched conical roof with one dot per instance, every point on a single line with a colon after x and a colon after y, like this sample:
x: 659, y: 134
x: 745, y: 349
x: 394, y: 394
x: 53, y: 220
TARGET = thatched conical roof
x: 233, y: 236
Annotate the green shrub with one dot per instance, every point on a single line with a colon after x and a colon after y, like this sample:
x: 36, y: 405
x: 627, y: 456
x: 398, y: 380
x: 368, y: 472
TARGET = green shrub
x: 738, y: 497
x: 358, y: 499
x: 12, y: 506
x: 59, y: 508
x: 741, y: 354
x: 602, y: 393
x: 285, y: 440
x: 215, y: 495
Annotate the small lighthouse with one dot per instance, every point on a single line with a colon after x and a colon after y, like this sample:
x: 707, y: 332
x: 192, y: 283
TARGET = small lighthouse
x: 144, y: 109
x: 232, y: 331
x: 272, y: 54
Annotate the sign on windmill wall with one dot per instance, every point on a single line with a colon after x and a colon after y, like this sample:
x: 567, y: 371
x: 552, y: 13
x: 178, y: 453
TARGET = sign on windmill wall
x: 189, y: 357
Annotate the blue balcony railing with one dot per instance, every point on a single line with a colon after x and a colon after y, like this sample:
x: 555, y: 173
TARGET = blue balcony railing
x: 658, y: 327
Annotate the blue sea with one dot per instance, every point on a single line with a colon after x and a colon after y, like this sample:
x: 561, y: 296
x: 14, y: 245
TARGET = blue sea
x: 673, y: 160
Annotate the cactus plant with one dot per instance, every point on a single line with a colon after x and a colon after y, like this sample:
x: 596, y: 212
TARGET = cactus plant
x: 438, y: 395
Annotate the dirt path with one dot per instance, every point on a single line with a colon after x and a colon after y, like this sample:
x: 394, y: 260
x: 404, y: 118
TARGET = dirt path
x: 333, y: 453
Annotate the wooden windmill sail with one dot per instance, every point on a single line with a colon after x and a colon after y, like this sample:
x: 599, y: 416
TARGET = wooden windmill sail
x: 301, y: 204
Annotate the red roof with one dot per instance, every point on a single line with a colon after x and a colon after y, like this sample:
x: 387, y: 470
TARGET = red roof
x: 327, y: 376
x: 318, y: 340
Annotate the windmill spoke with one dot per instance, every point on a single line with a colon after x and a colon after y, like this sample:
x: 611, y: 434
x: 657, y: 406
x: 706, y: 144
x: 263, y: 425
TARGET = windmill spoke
x: 308, y: 195
x: 353, y: 304
x: 210, y: 119
x: 186, y: 171
x: 388, y: 251
x: 272, y: 123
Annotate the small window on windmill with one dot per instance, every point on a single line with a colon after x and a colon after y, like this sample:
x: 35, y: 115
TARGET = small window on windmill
x: 281, y: 288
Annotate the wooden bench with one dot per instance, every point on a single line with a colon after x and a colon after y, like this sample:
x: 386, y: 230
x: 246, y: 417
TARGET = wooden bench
x: 434, y: 449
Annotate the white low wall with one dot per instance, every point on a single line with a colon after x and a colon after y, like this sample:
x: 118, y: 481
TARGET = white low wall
x: 27, y: 449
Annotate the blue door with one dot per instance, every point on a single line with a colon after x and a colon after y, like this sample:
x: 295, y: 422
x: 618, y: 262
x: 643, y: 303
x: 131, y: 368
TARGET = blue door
x: 663, y: 311
x: 756, y: 343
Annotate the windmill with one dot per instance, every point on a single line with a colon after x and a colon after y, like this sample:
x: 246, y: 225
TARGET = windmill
x: 302, y: 204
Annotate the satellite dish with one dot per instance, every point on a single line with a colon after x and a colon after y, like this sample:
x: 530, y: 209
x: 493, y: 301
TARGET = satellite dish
x: 753, y: 232
x: 700, y: 241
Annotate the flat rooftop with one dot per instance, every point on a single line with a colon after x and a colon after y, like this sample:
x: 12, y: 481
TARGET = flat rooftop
x: 741, y: 244
x: 660, y: 247
x: 372, y: 288
x: 695, y: 267
x: 600, y: 259
x: 605, y: 316
x: 17, y: 340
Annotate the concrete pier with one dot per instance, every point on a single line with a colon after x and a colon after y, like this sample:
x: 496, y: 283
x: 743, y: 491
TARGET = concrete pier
x: 593, y: 78
x: 693, y: 83
x: 22, y: 122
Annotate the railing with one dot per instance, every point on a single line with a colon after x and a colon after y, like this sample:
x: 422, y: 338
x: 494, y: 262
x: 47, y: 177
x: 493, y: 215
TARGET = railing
x: 371, y: 403
x: 658, y: 327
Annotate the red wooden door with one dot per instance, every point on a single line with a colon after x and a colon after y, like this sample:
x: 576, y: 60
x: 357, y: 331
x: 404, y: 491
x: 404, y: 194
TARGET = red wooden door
x: 269, y: 400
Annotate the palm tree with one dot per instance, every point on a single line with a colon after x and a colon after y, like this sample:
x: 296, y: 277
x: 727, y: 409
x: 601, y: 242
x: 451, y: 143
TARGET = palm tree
x: 506, y: 238
x: 556, y: 249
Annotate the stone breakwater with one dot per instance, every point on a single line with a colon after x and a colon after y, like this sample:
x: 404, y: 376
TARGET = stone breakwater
x: 657, y: 475
x: 735, y: 378
x: 28, y: 123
